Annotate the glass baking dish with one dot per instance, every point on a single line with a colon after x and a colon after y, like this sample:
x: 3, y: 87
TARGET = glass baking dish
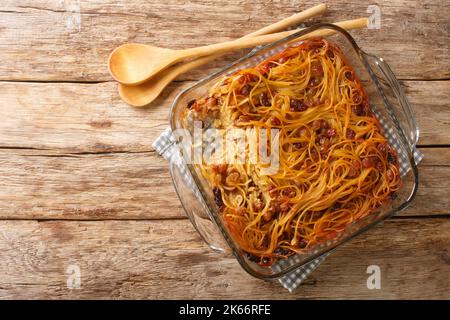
x: 387, y: 101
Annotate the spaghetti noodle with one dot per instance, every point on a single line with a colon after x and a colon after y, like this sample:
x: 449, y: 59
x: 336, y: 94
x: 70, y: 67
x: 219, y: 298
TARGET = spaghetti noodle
x: 335, y: 165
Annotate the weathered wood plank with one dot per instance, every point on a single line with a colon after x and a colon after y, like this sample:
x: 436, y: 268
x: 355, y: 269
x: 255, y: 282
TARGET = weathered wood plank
x: 78, y: 117
x: 114, y: 186
x: 73, y: 117
x: 71, y: 40
x: 431, y: 105
x: 434, y: 186
x: 166, y: 259
x: 41, y: 185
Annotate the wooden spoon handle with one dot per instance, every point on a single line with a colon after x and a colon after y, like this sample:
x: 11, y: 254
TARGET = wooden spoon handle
x: 254, y: 41
x: 280, y: 25
x: 347, y: 25
x: 290, y: 21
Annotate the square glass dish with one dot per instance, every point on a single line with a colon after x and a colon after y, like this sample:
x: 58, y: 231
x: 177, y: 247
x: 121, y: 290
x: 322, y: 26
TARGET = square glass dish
x: 387, y: 101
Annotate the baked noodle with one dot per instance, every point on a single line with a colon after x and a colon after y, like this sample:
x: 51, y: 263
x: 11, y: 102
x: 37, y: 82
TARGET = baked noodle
x: 335, y: 165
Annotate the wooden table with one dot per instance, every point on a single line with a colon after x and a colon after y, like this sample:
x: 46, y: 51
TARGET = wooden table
x: 81, y: 186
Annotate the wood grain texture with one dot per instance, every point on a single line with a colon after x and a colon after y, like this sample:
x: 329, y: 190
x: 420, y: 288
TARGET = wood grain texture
x: 74, y: 117
x: 71, y: 152
x: 38, y: 184
x: 70, y: 40
x: 432, y: 113
x: 161, y: 259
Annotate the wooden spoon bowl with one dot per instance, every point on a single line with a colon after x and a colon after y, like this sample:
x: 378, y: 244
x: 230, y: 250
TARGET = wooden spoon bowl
x: 131, y: 63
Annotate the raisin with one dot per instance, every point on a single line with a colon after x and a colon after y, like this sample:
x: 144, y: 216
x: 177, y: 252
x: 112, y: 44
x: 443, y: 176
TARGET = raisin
x: 368, y: 162
x: 357, y: 99
x: 324, y: 146
x: 191, y: 103
x: 336, y: 206
x: 314, y: 155
x: 267, y: 216
x: 275, y: 121
x: 264, y: 99
x: 362, y: 109
x: 282, y: 60
x: 382, y: 147
x: 302, y: 244
x: 274, y: 208
x: 284, y: 207
x: 330, y: 54
x: 217, y: 196
x: 316, y: 125
x: 324, y: 141
x: 391, y: 158
x: 232, y: 178
x: 288, y: 192
x: 316, y: 68
x: 212, y: 102
x: 245, y: 90
x: 219, y: 168
x: 358, y: 110
x: 350, y: 134
x: 297, y: 105
x: 217, y: 192
x: 303, y: 132
x: 282, y: 251
x: 352, y: 172
x: 243, y: 118
x: 348, y: 75
x: 331, y: 133
x: 258, y: 205
x: 264, y: 69
x: 379, y: 165
x: 314, y: 81
x: 252, y: 258
x: 390, y: 176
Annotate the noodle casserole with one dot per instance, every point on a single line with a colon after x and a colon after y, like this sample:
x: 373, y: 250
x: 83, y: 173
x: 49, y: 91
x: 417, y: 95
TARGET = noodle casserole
x: 294, y: 159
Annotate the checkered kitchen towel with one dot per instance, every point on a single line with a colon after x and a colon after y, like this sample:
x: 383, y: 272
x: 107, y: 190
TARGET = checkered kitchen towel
x: 166, y: 146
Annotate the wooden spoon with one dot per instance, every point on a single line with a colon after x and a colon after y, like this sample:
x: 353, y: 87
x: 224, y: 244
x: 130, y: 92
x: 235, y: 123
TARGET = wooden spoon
x: 143, y: 94
x: 134, y: 63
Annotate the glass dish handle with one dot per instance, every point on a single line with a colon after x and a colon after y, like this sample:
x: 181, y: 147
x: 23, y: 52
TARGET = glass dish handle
x: 407, y: 117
